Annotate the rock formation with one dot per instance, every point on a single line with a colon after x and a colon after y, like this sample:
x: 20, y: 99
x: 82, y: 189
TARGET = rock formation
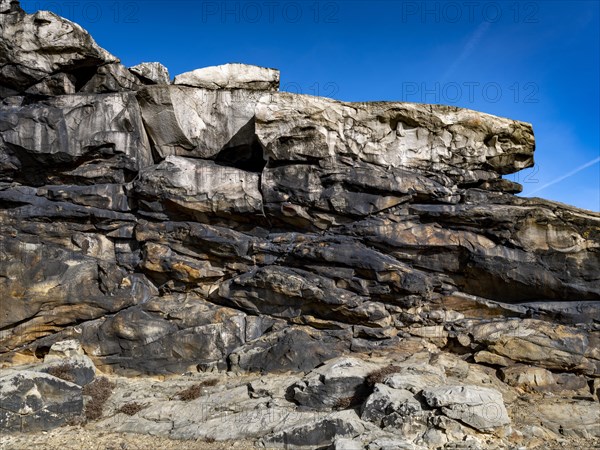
x: 217, y: 224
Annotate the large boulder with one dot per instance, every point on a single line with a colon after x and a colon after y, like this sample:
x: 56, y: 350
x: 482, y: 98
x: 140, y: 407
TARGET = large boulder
x: 200, y: 187
x: 67, y: 360
x: 482, y: 408
x: 544, y: 344
x: 35, y: 401
x: 203, y: 123
x: 318, y: 432
x: 466, y: 145
x: 87, y: 136
x: 386, y: 401
x: 231, y: 76
x: 340, y: 382
x: 35, y: 46
x: 48, y: 287
x: 288, y: 293
x: 151, y: 73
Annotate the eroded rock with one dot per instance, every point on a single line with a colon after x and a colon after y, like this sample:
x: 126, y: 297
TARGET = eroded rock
x: 35, y: 401
x: 481, y: 408
x: 231, y: 76
x: 151, y: 73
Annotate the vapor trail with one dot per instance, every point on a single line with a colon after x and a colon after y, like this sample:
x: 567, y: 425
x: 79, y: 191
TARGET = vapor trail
x: 570, y: 174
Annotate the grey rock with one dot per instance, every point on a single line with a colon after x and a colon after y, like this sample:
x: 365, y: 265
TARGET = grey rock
x: 200, y: 187
x: 111, y: 78
x: 346, y: 444
x: 9, y: 6
x: 166, y: 335
x: 102, y: 196
x: 291, y: 349
x: 201, y: 123
x: 321, y: 431
x: 339, y: 382
x: 385, y: 401
x: 287, y: 293
x: 76, y: 287
x: 151, y: 73
x: 466, y: 145
x: 42, y: 44
x: 479, y: 407
x: 362, y: 190
x: 68, y: 358
x: 391, y: 443
x: 217, y: 225
x: 541, y: 343
x: 562, y: 417
x: 34, y: 401
x: 415, y: 378
x: 73, y: 130
x: 231, y: 76
x: 57, y: 84
x: 79, y: 369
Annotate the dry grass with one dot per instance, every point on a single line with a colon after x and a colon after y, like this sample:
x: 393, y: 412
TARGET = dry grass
x: 380, y: 375
x: 195, y: 391
x: 131, y: 408
x: 191, y: 393
x: 99, y: 390
x: 63, y: 371
x: 345, y: 403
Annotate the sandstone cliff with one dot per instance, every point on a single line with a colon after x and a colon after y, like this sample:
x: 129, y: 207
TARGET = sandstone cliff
x: 215, y: 223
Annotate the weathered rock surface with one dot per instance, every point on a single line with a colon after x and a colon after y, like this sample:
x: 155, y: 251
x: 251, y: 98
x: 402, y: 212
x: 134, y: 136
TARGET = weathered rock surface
x: 231, y: 76
x: 202, y: 123
x: 481, y: 408
x: 216, y: 225
x: 340, y: 381
x: 35, y: 46
x: 99, y: 138
x: 35, y: 401
x: 151, y: 73
x: 465, y: 145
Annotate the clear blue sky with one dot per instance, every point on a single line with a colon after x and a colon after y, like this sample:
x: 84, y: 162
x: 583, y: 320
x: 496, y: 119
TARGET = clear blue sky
x: 534, y: 61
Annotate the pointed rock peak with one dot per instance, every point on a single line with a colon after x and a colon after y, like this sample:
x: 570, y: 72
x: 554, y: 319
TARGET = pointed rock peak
x: 152, y: 73
x: 36, y: 46
x: 231, y: 76
x: 9, y: 6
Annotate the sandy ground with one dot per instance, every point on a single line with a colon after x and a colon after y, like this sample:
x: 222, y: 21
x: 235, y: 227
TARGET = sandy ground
x: 76, y: 438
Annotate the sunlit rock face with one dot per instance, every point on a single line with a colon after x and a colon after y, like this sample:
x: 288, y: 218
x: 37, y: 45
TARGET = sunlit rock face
x: 215, y: 223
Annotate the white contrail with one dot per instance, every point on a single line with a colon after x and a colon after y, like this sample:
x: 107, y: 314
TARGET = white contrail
x: 570, y: 174
x: 474, y: 39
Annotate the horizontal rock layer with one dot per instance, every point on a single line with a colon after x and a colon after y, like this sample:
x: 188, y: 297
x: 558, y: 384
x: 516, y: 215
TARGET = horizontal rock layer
x: 217, y: 224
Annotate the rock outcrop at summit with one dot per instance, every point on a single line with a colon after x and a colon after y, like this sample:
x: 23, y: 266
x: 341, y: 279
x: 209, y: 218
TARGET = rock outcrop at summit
x: 215, y: 223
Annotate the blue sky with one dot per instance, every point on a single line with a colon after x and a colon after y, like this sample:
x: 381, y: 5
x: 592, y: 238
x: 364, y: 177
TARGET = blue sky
x: 536, y: 61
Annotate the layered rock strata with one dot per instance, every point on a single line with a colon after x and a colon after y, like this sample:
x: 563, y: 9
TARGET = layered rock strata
x: 218, y: 224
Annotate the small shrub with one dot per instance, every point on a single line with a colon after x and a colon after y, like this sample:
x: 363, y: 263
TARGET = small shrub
x: 75, y: 421
x: 195, y: 391
x: 211, y: 382
x: 345, y: 403
x: 131, y: 408
x: 379, y: 375
x: 63, y: 371
x: 99, y: 390
x: 191, y: 393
